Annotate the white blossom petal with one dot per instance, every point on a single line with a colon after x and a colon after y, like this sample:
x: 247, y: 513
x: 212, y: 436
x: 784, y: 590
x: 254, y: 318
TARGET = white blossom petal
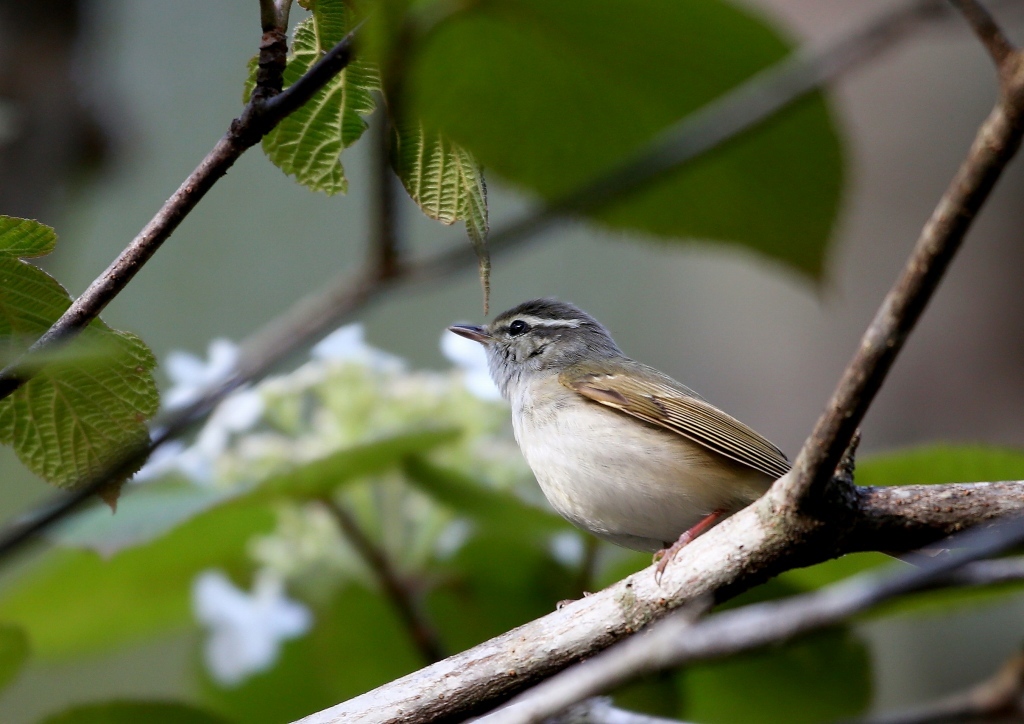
x: 191, y: 376
x: 567, y: 548
x: 348, y: 344
x: 245, y: 630
x: 471, y: 358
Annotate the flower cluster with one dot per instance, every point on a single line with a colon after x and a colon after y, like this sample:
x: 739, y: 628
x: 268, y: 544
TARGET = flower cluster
x: 346, y: 395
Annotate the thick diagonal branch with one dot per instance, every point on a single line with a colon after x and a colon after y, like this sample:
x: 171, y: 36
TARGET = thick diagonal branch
x: 743, y: 551
x: 995, y: 144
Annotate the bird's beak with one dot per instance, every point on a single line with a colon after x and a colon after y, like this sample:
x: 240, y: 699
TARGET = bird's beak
x: 473, y: 332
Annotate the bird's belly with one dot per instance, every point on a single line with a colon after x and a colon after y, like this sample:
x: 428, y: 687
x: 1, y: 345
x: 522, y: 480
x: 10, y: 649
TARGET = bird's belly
x: 626, y: 481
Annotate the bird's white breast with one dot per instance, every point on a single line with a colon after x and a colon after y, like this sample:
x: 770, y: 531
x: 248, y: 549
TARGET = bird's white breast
x: 622, y: 479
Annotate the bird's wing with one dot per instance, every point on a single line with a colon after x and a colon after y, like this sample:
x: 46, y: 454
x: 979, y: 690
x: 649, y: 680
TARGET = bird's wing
x: 649, y: 395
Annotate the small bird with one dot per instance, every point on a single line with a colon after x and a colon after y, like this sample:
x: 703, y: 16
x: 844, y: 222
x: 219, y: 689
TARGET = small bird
x: 620, y: 449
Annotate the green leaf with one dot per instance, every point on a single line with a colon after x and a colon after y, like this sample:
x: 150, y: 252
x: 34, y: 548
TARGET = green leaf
x: 497, y: 510
x: 75, y: 413
x: 937, y: 464
x: 447, y: 183
x: 74, y: 602
x: 551, y: 95
x: 323, y: 476
x: 25, y: 238
x: 148, y: 512
x: 308, y: 143
x: 820, y: 678
x: 134, y: 712
x: 14, y: 651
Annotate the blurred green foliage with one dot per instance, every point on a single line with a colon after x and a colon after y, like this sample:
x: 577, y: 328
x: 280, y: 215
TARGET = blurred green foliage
x: 549, y: 96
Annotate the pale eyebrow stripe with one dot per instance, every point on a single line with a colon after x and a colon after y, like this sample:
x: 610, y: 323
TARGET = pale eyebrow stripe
x: 541, y: 322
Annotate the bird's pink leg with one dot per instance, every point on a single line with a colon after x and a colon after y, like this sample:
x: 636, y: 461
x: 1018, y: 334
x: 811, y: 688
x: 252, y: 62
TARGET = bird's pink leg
x: 665, y: 555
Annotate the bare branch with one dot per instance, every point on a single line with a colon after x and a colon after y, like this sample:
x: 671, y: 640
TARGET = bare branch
x: 744, y: 550
x: 907, y: 517
x: 995, y: 144
x: 256, y: 120
x: 599, y: 710
x: 677, y: 641
x: 402, y: 598
x: 984, y: 26
x: 386, y: 247
x: 1000, y: 698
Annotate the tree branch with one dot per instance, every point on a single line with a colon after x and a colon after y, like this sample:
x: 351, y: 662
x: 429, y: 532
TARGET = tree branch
x: 599, y: 710
x: 995, y: 144
x: 263, y: 112
x: 678, y: 641
x: 742, y: 551
x: 999, y: 698
x: 990, y: 34
x: 402, y: 598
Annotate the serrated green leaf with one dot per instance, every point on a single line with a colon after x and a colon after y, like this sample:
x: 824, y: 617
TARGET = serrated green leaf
x: 78, y: 411
x: 14, y: 651
x: 815, y: 679
x: 937, y: 464
x: 134, y: 712
x: 447, y: 183
x: 308, y: 143
x: 25, y: 238
x: 138, y: 593
x: 551, y: 95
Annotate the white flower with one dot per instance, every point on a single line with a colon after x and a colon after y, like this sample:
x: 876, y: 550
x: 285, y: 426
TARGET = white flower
x: 471, y: 358
x: 237, y: 413
x: 348, y: 344
x: 452, y: 538
x: 246, y: 630
x: 191, y: 377
x: 567, y: 548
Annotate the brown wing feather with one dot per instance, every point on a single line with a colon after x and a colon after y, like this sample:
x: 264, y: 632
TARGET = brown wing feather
x: 648, y: 395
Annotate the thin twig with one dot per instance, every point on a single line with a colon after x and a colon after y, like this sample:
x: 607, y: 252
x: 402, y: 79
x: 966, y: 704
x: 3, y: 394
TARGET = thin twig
x: 599, y: 710
x: 258, y: 118
x: 678, y: 641
x: 386, y: 247
x: 995, y: 144
x: 988, y: 32
x: 402, y: 598
x: 1000, y: 698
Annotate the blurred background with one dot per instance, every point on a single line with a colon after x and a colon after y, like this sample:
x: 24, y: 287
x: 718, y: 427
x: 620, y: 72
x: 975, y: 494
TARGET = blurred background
x: 108, y: 104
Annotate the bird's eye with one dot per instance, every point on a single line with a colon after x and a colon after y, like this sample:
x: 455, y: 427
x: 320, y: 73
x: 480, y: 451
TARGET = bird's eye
x: 518, y: 327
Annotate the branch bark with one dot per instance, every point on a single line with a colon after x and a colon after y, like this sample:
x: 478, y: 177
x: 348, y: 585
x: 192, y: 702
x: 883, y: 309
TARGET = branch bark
x: 678, y: 641
x: 1000, y: 698
x: 746, y: 549
x: 995, y: 144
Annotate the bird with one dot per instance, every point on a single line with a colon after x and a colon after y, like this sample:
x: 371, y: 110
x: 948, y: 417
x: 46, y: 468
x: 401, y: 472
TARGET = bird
x: 619, y: 449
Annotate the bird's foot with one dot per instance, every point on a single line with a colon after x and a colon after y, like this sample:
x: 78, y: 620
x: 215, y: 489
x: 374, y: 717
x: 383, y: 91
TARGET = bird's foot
x: 665, y: 555
x: 566, y: 601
